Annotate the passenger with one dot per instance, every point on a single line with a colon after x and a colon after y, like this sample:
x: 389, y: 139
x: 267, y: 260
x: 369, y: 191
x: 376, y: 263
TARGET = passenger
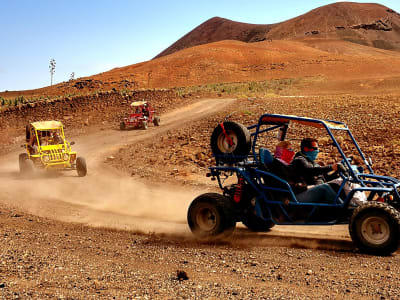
x: 44, y: 141
x: 56, y: 139
x: 284, y: 152
x: 281, y: 166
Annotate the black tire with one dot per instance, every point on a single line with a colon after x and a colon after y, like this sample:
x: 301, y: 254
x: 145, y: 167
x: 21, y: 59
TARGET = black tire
x: 370, y: 217
x: 81, y: 167
x: 256, y: 224
x: 27, y: 133
x: 211, y: 216
x: 239, y: 135
x: 144, y: 125
x: 122, y: 126
x: 26, y: 166
x: 252, y: 221
x: 156, y: 121
x: 23, y: 157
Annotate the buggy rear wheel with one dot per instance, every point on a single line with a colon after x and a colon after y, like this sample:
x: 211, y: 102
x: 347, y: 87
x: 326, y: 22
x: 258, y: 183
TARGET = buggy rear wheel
x: 156, y: 121
x: 211, y: 216
x: 23, y: 157
x: 81, y: 167
x: 230, y: 143
x: 375, y: 228
x: 26, y: 166
x: 122, y: 126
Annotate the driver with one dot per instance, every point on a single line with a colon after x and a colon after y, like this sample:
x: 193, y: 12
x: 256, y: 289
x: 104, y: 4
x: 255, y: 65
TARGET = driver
x: 312, y: 174
x: 56, y: 138
x: 305, y: 166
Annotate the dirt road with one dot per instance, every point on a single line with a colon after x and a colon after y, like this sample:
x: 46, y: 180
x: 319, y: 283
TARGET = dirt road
x: 106, y: 197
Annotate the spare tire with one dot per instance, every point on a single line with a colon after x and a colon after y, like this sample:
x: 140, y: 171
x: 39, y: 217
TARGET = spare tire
x: 233, y: 145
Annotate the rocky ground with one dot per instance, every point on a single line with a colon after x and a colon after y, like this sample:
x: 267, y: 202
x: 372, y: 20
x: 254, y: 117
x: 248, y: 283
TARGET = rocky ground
x: 41, y: 258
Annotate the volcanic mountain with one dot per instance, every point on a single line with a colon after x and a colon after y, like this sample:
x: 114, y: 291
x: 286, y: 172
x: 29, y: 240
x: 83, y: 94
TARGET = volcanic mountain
x: 363, y: 23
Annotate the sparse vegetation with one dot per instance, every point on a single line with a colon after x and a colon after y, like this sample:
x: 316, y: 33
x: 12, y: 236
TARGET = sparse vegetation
x: 265, y: 88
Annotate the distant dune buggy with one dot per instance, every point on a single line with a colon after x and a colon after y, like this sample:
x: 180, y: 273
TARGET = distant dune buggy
x: 261, y: 198
x: 141, y: 115
x: 47, y: 148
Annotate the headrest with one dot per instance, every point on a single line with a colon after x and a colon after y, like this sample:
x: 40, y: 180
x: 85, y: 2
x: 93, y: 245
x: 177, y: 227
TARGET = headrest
x: 266, y: 157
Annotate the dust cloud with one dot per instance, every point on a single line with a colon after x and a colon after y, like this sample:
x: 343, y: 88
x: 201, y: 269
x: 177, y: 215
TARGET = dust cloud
x: 103, y: 199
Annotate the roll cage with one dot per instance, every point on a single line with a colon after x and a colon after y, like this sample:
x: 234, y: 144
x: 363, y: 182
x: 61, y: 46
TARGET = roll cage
x: 382, y: 188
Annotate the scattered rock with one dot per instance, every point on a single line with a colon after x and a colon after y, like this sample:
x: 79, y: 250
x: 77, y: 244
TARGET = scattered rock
x: 181, y: 275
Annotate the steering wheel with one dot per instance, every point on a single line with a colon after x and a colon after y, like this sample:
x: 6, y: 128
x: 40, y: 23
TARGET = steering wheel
x: 343, y: 169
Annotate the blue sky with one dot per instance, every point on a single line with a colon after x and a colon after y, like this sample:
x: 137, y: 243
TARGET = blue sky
x: 93, y: 36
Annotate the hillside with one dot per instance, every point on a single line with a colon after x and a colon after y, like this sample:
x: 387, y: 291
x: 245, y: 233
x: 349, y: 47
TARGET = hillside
x: 234, y: 61
x: 218, y: 29
x: 362, y: 23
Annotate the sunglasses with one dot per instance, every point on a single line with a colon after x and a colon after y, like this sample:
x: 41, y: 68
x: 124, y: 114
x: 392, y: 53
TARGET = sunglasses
x: 314, y: 148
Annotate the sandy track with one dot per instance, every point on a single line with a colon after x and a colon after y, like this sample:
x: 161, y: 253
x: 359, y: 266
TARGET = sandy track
x: 109, y: 198
x: 106, y: 197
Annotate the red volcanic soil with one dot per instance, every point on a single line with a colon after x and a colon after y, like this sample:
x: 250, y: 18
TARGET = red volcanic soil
x: 234, y: 61
x: 362, y: 23
x: 218, y: 29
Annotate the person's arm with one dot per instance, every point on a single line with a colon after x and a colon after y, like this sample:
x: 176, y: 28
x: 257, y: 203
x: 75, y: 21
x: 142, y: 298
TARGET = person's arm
x: 302, y: 165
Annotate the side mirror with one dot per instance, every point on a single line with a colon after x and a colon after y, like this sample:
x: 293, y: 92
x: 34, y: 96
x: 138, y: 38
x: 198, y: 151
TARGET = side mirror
x: 72, y: 143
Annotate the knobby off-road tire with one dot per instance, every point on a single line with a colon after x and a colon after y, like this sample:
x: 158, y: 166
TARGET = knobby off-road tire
x: 81, y: 167
x: 23, y: 157
x: 211, y: 216
x: 26, y: 166
x: 375, y: 228
x: 156, y: 121
x: 240, y: 137
x: 256, y: 224
x: 144, y: 125
x: 253, y: 222
x: 122, y: 126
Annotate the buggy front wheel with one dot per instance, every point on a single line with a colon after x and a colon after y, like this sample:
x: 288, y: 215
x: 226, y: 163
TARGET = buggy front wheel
x: 211, y: 216
x: 122, y: 126
x: 375, y: 228
x: 144, y: 125
x: 156, y: 121
x: 81, y: 167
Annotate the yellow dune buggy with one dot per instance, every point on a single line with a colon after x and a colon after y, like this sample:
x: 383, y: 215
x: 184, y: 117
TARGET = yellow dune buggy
x: 47, y: 148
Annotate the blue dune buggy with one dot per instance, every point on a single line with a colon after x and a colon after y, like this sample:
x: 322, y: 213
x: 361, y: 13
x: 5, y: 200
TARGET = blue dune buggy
x: 260, y: 197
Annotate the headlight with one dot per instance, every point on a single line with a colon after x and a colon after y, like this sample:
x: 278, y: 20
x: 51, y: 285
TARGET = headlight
x: 46, y: 158
x: 66, y: 156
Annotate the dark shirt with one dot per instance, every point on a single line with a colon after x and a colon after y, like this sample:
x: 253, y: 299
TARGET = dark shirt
x: 310, y: 172
x: 286, y: 172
